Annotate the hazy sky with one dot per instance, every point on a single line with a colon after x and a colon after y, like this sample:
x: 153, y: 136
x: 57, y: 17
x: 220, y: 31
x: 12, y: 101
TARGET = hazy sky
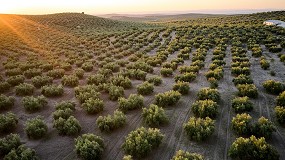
x: 134, y: 6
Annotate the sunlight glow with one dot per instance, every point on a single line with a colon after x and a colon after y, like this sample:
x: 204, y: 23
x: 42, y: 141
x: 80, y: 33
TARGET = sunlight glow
x: 10, y: 21
x: 133, y: 6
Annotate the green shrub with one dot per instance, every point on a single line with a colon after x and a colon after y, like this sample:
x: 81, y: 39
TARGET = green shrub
x: 64, y: 105
x: 140, y: 142
x: 141, y: 65
x: 4, y: 86
x: 219, y: 62
x: 134, y: 73
x: 172, y: 65
x: 213, y: 66
x: 8, y: 143
x: 264, y: 64
x: 113, y: 66
x: 127, y: 157
x: 133, y: 102
x: 282, y: 44
x: 240, y: 64
x: 16, y: 80
x: 69, y: 126
x: 240, y: 58
x: 205, y: 108
x: 240, y: 70
x: 109, y: 123
x: 24, y: 89
x: 256, y: 51
x: 66, y: 66
x: 242, y: 104
x: 252, y: 148
x: 199, y: 129
x: 187, y: 69
x: 40, y: 81
x: 13, y: 72
x: 213, y: 83
x: 242, y: 79
x: 52, y: 90
x: 115, y: 92
x: 139, y: 74
x: 36, y: 128
x: 70, y: 80
x: 79, y: 73
x: 46, y: 67
x: 183, y: 56
x: 167, y: 98
x: 218, y: 57
x: 56, y: 73
x: 62, y: 113
x: 282, y: 58
x: 241, y: 124
x: 21, y: 153
x: 280, y: 114
x: 145, y: 88
x: 121, y: 81
x: 275, y: 49
x: 8, y: 122
x: 156, y: 80
x: 30, y: 73
x: 186, y: 77
x: 92, y: 106
x: 89, y: 146
x: 166, y: 72
x: 208, y: 93
x: 280, y: 100
x: 273, y: 87
x: 96, y: 79
x: 199, y: 63
x: 6, y: 102
x: 154, y: 115
x: 88, y: 66
x: 184, y: 155
x: 32, y: 104
x: 83, y: 93
x: 181, y: 87
x: 217, y: 73
x: 263, y: 128
x: 248, y: 90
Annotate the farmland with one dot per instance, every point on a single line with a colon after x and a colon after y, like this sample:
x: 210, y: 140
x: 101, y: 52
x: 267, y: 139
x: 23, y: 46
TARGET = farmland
x: 195, y: 85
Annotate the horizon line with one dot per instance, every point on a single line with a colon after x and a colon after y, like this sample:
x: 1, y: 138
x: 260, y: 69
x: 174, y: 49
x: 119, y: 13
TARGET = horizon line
x: 203, y: 11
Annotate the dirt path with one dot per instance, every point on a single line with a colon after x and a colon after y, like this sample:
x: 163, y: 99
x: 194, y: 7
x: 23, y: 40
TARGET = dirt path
x: 266, y: 102
x: 175, y: 138
x: 149, y: 44
x: 153, y: 51
x: 134, y: 120
x: 223, y: 121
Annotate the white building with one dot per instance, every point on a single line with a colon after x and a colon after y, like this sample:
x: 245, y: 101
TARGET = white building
x: 275, y: 23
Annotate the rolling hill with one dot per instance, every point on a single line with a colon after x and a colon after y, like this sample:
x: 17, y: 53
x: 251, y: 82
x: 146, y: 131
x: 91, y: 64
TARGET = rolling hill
x: 157, y: 17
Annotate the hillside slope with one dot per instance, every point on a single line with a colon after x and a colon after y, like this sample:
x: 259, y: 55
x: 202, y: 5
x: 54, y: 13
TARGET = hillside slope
x: 78, y: 21
x: 158, y: 17
x: 45, y: 33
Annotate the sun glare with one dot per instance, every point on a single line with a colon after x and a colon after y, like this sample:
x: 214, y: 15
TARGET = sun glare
x: 4, y: 8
